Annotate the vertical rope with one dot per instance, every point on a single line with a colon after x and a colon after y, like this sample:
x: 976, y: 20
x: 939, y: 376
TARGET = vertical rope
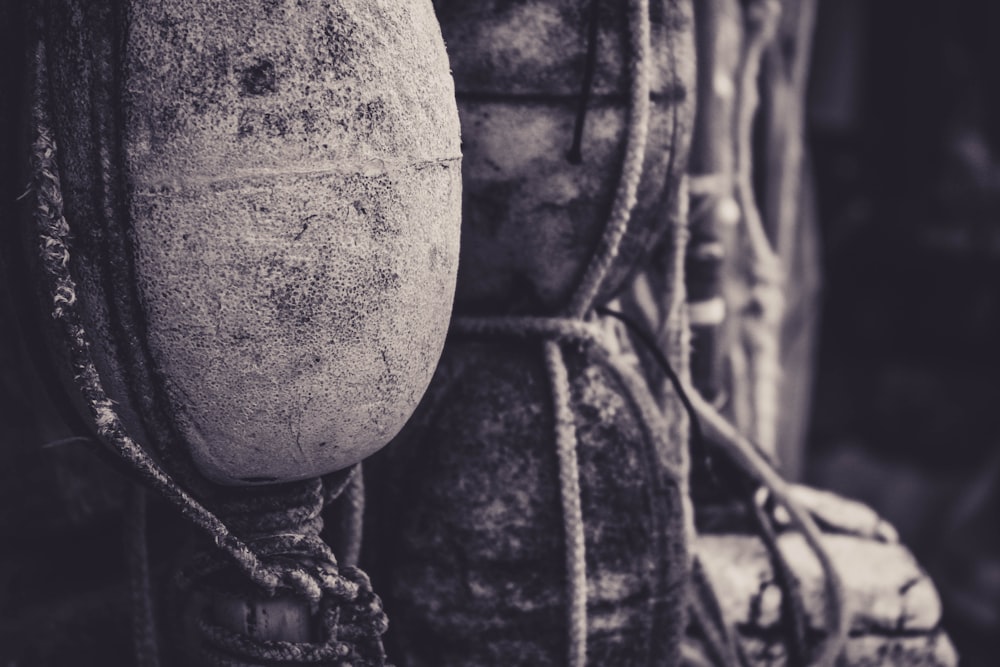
x: 354, y: 514
x: 569, y: 486
x: 637, y: 130
x: 765, y: 271
x: 144, y: 640
x: 626, y: 194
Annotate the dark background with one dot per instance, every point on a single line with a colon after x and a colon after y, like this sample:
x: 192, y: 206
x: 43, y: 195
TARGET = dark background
x: 904, y: 113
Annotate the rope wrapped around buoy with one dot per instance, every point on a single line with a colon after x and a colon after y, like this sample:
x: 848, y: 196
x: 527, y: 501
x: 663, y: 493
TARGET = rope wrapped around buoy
x: 542, y: 521
x: 247, y: 218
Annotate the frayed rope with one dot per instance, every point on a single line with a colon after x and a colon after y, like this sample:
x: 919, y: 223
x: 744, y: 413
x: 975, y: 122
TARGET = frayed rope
x: 353, y: 610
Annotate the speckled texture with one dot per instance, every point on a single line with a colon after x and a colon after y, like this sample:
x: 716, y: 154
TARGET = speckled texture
x: 266, y: 201
x: 896, y: 613
x: 471, y: 555
x: 531, y: 218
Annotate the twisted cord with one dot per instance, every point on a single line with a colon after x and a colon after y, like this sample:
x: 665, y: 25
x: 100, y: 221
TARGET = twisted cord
x: 316, y: 584
x: 707, y: 617
x: 744, y: 453
x: 354, y: 497
x: 281, y: 522
x: 708, y: 425
x: 792, y: 605
x: 637, y: 128
x: 556, y: 330
x: 765, y: 272
x: 573, y: 327
x: 346, y: 643
x: 569, y: 487
x: 144, y: 640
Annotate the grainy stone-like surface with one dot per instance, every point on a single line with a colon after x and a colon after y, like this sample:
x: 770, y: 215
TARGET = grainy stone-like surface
x: 266, y: 200
x: 532, y: 219
x: 887, y: 591
x: 895, y: 609
x: 471, y: 539
x: 932, y: 649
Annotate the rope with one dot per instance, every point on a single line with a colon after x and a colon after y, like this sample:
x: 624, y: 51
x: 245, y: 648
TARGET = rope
x: 279, y: 522
x: 745, y: 455
x: 572, y: 325
x: 706, y: 613
x: 763, y: 312
x: 569, y: 487
x: 319, y: 585
x: 792, y: 605
x: 144, y: 640
x: 637, y: 130
x: 706, y: 421
x: 354, y: 515
x: 589, y: 336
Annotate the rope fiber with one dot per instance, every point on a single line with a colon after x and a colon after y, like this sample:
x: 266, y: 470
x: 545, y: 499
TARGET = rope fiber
x: 573, y: 326
x: 352, y: 617
x: 708, y: 426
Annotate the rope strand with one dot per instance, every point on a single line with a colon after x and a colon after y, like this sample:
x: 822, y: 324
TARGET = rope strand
x: 708, y: 424
x: 766, y: 304
x: 569, y: 487
x: 348, y: 589
x: 144, y: 639
x: 354, y: 498
x: 637, y: 131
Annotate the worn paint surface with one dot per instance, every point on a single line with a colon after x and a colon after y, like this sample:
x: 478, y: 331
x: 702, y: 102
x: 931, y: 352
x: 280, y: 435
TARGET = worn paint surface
x: 266, y: 198
x: 532, y: 217
x: 470, y: 523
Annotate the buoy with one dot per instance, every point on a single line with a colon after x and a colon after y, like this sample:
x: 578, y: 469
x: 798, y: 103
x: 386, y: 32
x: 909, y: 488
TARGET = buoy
x: 543, y: 91
x: 473, y: 527
x: 248, y: 217
x: 532, y: 512
x: 265, y: 203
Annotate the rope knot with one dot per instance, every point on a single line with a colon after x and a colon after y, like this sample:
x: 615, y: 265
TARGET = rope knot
x: 282, y: 553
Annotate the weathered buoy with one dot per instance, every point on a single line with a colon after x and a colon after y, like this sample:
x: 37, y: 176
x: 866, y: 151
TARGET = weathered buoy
x: 472, y: 532
x: 534, y: 507
x: 265, y: 203
x: 248, y: 217
x: 543, y: 92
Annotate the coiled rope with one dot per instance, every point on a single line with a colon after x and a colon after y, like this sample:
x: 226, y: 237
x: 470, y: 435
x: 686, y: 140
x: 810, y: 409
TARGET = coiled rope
x: 352, y: 616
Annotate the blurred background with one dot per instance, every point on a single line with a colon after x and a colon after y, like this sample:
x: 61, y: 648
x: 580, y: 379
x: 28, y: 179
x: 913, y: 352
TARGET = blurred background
x: 904, y: 128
